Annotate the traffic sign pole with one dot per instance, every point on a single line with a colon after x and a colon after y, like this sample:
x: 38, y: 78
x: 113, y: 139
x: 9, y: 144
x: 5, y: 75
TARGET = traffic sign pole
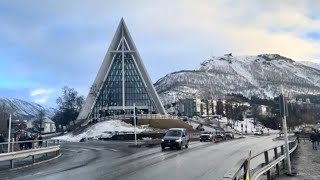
x: 134, y: 121
x: 9, y: 134
x: 284, y: 122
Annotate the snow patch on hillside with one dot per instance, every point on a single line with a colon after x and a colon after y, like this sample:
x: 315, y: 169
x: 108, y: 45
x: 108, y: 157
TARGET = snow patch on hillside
x: 311, y: 64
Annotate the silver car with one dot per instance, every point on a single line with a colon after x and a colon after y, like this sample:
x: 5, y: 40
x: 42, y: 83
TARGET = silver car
x: 206, y: 136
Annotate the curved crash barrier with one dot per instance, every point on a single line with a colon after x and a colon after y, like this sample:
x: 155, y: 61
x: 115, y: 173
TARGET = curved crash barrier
x: 23, y: 149
x: 242, y: 169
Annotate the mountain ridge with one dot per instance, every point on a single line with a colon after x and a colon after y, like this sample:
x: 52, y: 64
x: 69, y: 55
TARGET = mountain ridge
x: 23, y: 109
x: 311, y: 64
x: 259, y: 76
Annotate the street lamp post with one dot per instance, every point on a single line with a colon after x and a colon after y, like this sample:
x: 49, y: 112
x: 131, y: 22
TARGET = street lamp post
x: 9, y: 135
x: 134, y: 122
x: 246, y: 125
x: 284, y: 121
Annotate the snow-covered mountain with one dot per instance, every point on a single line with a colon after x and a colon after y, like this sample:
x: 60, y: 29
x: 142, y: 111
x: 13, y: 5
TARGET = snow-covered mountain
x: 259, y: 76
x: 311, y: 64
x: 23, y: 109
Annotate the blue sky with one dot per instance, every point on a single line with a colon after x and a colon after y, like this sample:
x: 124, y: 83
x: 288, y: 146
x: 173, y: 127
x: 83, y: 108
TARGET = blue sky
x: 45, y: 45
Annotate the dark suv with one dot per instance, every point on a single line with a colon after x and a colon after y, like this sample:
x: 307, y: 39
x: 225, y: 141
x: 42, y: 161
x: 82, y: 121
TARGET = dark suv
x: 220, y: 135
x: 175, y: 137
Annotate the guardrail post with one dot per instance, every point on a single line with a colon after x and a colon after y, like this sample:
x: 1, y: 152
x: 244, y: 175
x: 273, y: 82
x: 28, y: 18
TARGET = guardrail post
x: 12, y: 150
x: 266, y: 158
x: 244, y: 169
x: 33, y: 159
x: 12, y: 164
x: 276, y: 157
x: 282, y: 153
x: 47, y: 145
x: 58, y: 142
x: 290, y: 147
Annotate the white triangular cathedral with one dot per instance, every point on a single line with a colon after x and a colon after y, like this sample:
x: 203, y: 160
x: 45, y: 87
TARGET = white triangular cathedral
x: 122, y: 81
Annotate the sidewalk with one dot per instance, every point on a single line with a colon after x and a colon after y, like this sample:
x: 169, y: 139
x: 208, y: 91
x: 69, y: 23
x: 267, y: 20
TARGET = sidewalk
x: 306, y: 162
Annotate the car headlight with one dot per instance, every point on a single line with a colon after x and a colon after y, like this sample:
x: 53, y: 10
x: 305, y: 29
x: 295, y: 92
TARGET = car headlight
x: 162, y: 140
x: 178, y: 140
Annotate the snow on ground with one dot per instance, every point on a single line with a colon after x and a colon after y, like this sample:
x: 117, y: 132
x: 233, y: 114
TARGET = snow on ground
x: 195, y: 125
x: 247, y: 122
x: 251, y: 127
x: 103, y: 129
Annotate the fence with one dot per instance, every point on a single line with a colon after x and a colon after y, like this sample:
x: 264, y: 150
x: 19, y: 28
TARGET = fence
x: 23, y: 149
x: 240, y: 169
x: 142, y: 116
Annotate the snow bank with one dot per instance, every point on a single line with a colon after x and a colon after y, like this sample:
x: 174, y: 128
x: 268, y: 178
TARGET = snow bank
x: 195, y: 125
x: 251, y: 127
x: 103, y: 129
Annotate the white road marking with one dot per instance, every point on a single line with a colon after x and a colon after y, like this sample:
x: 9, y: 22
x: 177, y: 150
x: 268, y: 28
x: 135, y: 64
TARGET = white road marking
x: 114, y: 150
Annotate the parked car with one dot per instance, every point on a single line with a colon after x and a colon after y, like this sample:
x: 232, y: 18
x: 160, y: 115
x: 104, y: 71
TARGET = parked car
x: 175, y: 137
x: 220, y: 134
x: 229, y: 134
x: 257, y: 132
x: 206, y: 136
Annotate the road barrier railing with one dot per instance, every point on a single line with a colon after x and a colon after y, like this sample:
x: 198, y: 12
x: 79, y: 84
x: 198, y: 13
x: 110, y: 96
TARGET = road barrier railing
x: 24, y: 149
x: 240, y: 169
x: 304, y: 139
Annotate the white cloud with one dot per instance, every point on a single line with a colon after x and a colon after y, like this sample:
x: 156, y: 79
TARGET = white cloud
x: 41, y: 95
x: 185, y: 22
x: 180, y: 34
x: 37, y: 92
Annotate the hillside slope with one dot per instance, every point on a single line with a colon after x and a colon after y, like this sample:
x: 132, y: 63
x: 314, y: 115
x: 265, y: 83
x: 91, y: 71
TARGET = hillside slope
x: 259, y: 76
x: 23, y: 109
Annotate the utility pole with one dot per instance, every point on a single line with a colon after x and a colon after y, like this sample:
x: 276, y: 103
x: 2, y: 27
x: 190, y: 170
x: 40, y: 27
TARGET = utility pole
x: 284, y: 122
x: 245, y: 116
x: 9, y: 135
x: 134, y: 122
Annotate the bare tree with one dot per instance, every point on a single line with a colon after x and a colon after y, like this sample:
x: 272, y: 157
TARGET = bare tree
x: 39, y: 121
x: 255, y: 114
x: 69, y: 106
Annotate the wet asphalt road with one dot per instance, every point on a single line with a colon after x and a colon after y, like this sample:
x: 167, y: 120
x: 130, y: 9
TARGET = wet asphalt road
x: 109, y: 160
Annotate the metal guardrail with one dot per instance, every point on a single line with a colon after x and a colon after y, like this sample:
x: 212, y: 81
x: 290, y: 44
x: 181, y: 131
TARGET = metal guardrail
x: 236, y: 172
x: 22, y: 149
x: 304, y: 139
x: 150, y: 116
x: 276, y: 162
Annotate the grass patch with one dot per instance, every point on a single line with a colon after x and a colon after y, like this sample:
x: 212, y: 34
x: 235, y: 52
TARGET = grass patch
x: 166, y: 124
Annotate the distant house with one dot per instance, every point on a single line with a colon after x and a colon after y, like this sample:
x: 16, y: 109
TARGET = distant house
x: 186, y: 107
x: 262, y: 110
x: 48, y: 125
x: 190, y: 107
